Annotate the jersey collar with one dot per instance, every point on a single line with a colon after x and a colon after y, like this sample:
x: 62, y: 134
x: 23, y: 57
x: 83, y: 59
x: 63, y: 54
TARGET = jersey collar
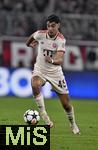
x: 48, y: 37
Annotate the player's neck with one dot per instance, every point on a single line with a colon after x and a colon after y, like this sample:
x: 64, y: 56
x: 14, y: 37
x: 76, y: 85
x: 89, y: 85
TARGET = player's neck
x: 52, y: 36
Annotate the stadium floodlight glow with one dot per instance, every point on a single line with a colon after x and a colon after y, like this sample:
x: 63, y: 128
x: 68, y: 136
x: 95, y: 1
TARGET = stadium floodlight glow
x: 18, y: 88
x: 4, y: 77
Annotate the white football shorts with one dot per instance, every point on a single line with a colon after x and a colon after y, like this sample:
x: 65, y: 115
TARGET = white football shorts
x: 57, y: 80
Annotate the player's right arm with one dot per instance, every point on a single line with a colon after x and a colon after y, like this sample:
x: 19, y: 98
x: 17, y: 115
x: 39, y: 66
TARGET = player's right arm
x: 32, y: 40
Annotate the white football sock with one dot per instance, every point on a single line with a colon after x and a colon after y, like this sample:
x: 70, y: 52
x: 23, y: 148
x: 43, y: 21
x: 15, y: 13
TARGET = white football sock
x: 40, y: 103
x: 71, y: 116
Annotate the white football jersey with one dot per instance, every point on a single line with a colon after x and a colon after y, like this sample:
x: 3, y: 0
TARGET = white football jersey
x: 48, y: 47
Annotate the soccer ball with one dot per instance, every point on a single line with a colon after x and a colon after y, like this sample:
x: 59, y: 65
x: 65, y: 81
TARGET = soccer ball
x: 31, y: 117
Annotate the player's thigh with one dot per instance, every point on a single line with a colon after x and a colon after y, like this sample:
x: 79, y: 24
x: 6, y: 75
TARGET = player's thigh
x: 37, y: 79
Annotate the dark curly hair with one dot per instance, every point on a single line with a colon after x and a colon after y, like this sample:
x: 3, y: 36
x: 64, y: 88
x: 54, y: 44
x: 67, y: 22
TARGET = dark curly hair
x: 53, y: 18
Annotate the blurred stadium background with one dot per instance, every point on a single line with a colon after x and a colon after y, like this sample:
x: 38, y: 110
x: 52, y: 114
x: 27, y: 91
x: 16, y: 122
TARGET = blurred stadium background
x: 20, y: 18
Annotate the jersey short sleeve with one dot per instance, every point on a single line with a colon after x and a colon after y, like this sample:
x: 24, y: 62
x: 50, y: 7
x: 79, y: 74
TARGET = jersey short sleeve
x: 61, y: 45
x: 36, y: 35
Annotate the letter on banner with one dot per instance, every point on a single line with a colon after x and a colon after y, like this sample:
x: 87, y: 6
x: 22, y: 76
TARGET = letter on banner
x: 20, y: 53
x: 73, y: 59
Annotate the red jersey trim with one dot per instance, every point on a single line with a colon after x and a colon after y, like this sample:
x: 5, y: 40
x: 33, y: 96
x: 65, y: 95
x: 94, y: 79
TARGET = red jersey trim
x: 60, y: 35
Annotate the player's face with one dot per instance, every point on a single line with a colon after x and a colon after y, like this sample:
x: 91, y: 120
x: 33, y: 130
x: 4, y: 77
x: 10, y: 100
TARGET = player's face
x: 52, y: 28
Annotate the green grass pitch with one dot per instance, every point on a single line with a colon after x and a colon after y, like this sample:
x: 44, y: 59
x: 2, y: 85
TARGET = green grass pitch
x: 86, y: 111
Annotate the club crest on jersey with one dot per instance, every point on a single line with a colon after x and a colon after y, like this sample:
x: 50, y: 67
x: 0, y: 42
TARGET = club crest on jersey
x: 54, y: 45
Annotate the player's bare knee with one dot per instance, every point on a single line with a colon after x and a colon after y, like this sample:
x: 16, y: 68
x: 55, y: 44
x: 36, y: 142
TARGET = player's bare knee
x: 36, y: 84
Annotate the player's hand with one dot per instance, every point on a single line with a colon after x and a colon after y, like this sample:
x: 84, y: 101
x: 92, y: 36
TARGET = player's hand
x: 48, y: 59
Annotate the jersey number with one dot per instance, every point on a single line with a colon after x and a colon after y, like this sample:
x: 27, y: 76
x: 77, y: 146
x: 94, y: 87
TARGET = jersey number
x: 62, y: 83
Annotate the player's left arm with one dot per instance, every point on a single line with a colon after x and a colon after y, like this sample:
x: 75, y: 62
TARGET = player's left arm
x: 32, y: 41
x: 57, y: 59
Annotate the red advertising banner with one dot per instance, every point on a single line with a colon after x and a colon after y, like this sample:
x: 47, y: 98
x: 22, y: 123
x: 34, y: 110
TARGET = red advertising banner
x: 77, y: 58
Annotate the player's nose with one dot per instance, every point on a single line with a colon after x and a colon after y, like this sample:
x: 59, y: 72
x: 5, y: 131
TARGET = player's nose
x: 50, y: 28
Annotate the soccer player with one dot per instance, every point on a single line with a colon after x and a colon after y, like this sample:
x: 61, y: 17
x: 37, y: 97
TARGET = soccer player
x: 51, y: 49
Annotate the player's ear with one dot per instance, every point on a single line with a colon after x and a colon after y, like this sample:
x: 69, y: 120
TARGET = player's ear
x: 58, y: 25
